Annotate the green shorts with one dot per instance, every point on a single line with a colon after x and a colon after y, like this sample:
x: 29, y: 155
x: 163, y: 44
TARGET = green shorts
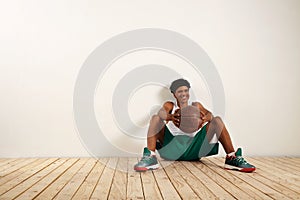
x: 183, y: 147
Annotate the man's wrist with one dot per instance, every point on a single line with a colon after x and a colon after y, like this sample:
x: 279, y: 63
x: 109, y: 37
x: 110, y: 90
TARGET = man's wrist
x: 211, y: 116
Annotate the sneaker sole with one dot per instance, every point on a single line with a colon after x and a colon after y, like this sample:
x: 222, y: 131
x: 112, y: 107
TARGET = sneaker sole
x: 230, y: 167
x: 143, y: 169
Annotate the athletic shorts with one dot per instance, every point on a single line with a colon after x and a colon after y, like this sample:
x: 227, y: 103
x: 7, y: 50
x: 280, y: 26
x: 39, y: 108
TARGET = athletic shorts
x: 183, y: 147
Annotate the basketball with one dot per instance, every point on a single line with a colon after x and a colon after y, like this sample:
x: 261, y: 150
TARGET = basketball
x: 190, y: 120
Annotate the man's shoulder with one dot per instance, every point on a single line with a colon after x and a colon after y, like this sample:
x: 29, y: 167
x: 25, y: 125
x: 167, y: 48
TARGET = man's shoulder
x: 196, y: 103
x: 169, y: 103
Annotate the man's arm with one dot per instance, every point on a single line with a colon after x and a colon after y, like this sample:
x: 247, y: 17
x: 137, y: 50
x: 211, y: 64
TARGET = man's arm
x: 165, y: 113
x: 206, y: 115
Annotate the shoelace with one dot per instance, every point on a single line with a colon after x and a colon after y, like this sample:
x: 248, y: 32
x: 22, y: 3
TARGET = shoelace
x: 240, y: 159
x: 146, y: 158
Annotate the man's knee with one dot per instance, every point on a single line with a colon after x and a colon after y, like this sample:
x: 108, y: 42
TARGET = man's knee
x: 217, y: 120
x: 155, y: 118
x: 157, y: 127
x: 157, y: 122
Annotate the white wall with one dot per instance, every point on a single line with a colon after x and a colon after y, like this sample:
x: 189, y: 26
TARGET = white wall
x: 255, y: 46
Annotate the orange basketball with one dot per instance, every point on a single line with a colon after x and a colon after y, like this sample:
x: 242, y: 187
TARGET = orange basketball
x: 189, y: 119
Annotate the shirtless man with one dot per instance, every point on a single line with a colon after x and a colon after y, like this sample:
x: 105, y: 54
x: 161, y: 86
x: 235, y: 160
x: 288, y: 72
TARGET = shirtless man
x: 174, y: 144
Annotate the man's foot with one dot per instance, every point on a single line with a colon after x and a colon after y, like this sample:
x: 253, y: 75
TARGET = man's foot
x: 148, y: 162
x: 238, y: 163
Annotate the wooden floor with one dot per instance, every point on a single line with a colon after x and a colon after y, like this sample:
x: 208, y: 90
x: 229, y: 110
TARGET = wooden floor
x: 114, y: 178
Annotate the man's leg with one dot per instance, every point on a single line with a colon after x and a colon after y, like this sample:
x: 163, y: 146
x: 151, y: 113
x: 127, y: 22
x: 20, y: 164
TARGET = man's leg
x: 234, y: 160
x: 155, y: 132
x: 216, y: 126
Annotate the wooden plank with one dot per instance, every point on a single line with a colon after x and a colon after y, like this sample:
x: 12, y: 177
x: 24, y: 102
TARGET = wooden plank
x: 166, y: 188
x: 290, y: 161
x: 235, y: 180
x: 14, y: 166
x: 231, y: 188
x: 252, y: 181
x: 118, y: 189
x: 76, y: 179
x: 276, y: 170
x: 8, y: 165
x: 37, y: 188
x: 279, y: 164
x: 277, y: 177
x: 265, y: 166
x: 150, y: 187
x: 197, y: 186
x: 86, y: 189
x: 27, y: 174
x: 294, y: 160
x: 72, y: 186
x: 282, y: 188
x: 220, y: 192
x: 20, y: 188
x: 104, y: 184
x: 178, y: 181
x: 59, y: 183
x: 15, y: 170
x: 134, y: 181
x: 8, y: 161
x: 290, y: 165
x: 4, y: 160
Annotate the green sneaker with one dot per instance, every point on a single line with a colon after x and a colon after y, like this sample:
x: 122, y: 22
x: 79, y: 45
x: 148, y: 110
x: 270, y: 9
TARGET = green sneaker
x: 238, y: 163
x: 147, y: 162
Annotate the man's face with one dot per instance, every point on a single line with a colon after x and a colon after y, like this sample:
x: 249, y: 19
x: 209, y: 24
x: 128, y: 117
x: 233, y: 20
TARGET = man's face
x: 182, y: 94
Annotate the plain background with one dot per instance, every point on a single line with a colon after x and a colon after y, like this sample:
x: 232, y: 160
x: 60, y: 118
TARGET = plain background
x: 254, y: 44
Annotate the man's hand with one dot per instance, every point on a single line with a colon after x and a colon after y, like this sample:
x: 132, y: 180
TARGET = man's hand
x: 206, y: 117
x: 176, y: 118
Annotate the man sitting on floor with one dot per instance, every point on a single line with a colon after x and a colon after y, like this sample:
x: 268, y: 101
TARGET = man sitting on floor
x: 174, y: 144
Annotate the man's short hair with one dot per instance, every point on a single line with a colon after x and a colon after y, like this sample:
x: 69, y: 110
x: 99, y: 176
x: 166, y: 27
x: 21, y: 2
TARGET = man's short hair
x: 178, y: 83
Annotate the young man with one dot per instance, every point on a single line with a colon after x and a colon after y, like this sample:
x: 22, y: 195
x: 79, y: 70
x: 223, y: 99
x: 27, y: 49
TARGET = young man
x: 174, y: 144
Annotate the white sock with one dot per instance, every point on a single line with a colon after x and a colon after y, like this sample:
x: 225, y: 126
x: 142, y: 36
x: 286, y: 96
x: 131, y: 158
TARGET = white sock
x: 152, y: 153
x: 231, y: 154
